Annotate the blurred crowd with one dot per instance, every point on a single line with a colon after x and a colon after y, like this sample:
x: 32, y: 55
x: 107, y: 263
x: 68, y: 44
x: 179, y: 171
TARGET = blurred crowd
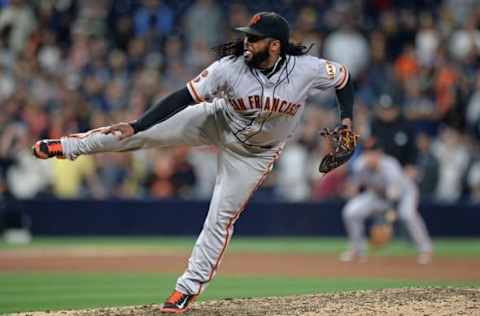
x: 68, y: 66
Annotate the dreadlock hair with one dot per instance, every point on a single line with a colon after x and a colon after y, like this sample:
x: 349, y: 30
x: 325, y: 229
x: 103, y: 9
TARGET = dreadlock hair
x: 235, y: 49
x: 295, y: 49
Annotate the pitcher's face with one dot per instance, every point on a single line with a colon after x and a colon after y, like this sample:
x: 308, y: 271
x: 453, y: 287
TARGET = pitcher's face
x: 256, y: 50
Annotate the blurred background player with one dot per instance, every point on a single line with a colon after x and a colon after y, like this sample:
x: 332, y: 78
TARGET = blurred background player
x: 385, y: 186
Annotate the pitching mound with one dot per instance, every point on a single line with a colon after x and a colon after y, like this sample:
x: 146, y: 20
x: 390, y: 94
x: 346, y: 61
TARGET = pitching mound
x: 407, y: 301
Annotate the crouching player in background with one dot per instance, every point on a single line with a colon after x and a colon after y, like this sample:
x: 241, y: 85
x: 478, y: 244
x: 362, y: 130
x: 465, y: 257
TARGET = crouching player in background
x: 385, y: 186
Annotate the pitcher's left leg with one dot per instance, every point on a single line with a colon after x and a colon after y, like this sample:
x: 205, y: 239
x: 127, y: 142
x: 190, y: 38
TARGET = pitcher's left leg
x: 238, y: 178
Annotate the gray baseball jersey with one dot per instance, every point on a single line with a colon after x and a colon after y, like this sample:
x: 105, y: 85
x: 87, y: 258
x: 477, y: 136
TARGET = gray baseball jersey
x: 262, y: 111
x: 249, y: 117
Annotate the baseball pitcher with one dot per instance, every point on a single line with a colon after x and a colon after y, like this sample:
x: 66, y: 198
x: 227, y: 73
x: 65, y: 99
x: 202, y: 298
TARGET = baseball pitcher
x: 247, y: 103
x: 385, y: 185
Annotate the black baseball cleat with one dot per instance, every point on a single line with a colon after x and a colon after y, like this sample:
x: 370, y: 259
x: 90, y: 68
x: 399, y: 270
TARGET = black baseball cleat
x: 177, y: 303
x: 48, y: 148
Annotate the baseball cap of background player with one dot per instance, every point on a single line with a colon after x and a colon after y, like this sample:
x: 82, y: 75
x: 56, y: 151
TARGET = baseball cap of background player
x: 373, y: 143
x: 268, y: 24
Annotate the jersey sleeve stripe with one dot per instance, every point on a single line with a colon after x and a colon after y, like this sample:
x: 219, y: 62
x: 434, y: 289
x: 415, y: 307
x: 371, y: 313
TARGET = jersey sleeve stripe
x: 344, y: 81
x: 193, y: 92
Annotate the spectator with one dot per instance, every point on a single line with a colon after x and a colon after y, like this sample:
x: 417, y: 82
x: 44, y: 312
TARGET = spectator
x: 306, y: 30
x: 26, y: 178
x: 112, y: 177
x: 172, y: 175
x: 154, y: 20
x: 465, y: 40
x: 349, y: 47
x: 68, y: 180
x: 405, y: 65
x: 380, y: 77
x: 204, y: 162
x: 184, y: 178
x: 472, y: 116
x: 473, y: 180
x: 426, y: 167
x: 17, y: 22
x: 427, y: 40
x: 198, y: 28
x: 292, y: 174
x: 237, y: 15
x: 453, y: 158
x: 331, y: 186
x: 92, y: 18
x: 444, y: 84
x: 418, y: 108
x: 393, y: 131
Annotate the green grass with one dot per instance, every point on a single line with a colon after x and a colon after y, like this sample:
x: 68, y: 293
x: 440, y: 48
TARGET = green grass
x: 54, y: 291
x: 443, y: 247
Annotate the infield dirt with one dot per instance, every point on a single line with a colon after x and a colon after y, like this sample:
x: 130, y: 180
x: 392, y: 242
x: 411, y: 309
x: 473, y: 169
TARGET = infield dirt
x: 406, y: 301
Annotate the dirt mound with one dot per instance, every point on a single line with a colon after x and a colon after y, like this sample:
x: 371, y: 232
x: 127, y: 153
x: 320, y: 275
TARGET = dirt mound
x: 406, y: 301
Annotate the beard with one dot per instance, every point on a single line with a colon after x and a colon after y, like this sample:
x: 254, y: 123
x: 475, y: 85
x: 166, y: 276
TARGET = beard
x: 257, y: 58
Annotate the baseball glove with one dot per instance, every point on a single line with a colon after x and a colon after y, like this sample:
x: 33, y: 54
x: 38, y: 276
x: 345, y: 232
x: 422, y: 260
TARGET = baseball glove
x: 342, y: 142
x: 381, y: 231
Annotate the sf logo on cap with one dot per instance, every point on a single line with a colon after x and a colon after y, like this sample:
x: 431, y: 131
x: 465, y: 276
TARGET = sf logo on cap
x: 254, y: 20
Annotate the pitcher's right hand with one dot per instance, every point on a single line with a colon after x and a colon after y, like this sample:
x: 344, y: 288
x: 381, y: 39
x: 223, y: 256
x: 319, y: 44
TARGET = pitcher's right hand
x: 122, y: 130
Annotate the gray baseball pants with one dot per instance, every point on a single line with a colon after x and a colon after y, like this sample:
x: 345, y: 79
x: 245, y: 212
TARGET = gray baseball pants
x: 359, y: 208
x: 240, y: 172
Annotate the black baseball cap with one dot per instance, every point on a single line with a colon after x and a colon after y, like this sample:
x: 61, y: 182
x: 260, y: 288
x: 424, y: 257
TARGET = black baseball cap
x: 268, y: 24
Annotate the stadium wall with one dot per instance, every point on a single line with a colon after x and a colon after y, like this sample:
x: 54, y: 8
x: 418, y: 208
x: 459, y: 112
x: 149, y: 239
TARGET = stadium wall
x: 170, y: 217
